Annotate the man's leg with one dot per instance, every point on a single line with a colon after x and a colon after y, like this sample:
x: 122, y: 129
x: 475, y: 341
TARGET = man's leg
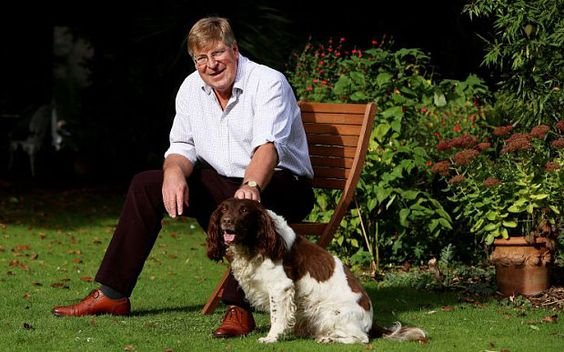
x: 135, y: 235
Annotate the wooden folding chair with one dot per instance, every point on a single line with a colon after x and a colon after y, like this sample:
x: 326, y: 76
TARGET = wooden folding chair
x: 338, y: 136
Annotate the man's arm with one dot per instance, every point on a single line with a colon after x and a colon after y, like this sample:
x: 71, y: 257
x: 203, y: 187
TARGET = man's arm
x: 260, y: 170
x: 176, y: 169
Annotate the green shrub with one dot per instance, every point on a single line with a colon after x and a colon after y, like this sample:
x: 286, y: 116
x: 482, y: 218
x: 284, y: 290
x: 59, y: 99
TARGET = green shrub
x: 398, y: 215
x: 526, y: 48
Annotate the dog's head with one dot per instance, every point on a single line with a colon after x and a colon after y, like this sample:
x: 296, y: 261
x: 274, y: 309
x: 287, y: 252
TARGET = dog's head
x: 243, y: 222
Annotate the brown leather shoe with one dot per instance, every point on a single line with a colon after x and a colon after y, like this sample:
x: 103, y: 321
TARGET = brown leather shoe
x: 94, y: 304
x: 237, y: 322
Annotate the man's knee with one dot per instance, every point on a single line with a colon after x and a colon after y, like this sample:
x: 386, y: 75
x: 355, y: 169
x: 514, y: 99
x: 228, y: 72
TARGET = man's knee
x: 147, y: 178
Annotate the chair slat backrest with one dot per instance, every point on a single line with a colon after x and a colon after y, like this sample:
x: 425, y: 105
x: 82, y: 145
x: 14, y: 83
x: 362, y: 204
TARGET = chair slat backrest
x: 338, y: 137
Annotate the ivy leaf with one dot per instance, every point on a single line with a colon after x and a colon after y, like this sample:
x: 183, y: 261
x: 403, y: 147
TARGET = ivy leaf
x: 404, y: 213
x: 380, y: 131
x: 439, y: 99
x: 383, y: 78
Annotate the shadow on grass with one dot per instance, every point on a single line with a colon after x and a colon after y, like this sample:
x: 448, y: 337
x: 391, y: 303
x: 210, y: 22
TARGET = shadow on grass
x: 165, y: 310
x: 390, y: 302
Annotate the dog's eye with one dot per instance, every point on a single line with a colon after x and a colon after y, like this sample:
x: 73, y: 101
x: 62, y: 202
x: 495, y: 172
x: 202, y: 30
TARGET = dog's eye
x: 243, y: 210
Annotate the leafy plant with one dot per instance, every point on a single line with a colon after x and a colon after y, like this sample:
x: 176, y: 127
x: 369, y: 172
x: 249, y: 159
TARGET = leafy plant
x: 506, y: 185
x: 526, y: 48
x: 398, y: 213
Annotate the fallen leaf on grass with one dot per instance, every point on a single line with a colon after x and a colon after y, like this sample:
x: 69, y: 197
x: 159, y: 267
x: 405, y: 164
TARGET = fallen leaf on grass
x: 28, y: 326
x: 129, y: 348
x: 26, y: 296
x: 87, y: 278
x: 550, y: 319
x: 21, y: 248
x: 59, y: 285
x: 534, y: 327
x: 447, y: 308
x: 17, y: 264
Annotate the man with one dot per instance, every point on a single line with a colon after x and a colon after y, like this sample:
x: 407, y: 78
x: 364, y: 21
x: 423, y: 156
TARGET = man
x: 237, y: 133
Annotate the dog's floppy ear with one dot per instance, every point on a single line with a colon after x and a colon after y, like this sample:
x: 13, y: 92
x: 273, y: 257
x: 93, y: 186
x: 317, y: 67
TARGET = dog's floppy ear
x: 269, y: 243
x: 214, y: 240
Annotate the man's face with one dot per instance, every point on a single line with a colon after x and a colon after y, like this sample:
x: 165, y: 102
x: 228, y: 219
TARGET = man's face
x: 217, y: 65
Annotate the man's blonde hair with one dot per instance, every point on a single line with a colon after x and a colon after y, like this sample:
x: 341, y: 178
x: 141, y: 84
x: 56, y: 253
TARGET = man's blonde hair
x: 210, y: 30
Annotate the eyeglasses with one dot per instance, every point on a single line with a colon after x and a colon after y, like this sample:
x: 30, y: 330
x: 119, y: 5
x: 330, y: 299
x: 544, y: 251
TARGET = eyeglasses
x: 218, y: 54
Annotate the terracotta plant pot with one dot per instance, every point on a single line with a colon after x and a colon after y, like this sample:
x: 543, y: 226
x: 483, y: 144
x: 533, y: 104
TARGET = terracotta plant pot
x: 521, y: 267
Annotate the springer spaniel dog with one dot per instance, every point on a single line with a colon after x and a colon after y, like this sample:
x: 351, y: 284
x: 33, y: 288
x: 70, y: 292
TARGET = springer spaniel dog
x: 305, y: 288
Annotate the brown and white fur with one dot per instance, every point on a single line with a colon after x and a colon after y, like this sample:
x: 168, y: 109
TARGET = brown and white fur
x: 305, y: 288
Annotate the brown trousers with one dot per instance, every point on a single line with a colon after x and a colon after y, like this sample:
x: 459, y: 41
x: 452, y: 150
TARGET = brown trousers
x: 143, y: 211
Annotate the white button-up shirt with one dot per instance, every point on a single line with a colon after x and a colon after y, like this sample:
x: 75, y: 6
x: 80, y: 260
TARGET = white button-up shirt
x: 262, y: 109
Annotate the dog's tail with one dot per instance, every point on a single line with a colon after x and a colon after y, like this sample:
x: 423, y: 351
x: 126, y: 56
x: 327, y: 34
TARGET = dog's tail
x: 398, y: 333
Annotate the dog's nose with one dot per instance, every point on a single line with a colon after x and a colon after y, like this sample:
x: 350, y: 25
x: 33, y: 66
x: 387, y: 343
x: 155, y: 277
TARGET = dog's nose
x: 226, y: 220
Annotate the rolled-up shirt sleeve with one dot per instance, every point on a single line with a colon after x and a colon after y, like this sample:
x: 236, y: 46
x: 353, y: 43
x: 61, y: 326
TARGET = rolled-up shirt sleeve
x: 277, y: 119
x: 180, y: 137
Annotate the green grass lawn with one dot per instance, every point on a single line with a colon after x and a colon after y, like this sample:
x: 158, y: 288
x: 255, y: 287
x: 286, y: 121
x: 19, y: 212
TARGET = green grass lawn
x: 51, y: 244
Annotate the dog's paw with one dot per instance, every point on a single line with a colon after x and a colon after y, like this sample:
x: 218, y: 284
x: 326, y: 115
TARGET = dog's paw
x: 268, y: 339
x: 324, y: 339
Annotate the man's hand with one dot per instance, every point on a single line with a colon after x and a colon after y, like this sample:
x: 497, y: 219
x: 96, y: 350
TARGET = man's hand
x: 248, y: 192
x: 175, y: 186
x: 260, y: 171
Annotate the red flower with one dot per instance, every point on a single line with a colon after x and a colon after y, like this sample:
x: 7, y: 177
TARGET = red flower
x: 517, y: 142
x: 465, y: 157
x: 560, y: 125
x: 558, y: 143
x: 502, y: 130
x: 456, y: 179
x: 491, y: 182
x: 551, y: 166
x: 540, y: 131
x: 443, y: 145
x: 465, y: 141
x: 441, y: 168
x: 483, y: 146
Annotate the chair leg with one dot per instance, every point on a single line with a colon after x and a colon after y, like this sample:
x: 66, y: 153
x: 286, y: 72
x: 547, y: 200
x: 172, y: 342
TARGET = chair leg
x: 213, y: 300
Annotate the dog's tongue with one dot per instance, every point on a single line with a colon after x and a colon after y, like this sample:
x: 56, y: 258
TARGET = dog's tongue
x: 228, y: 237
